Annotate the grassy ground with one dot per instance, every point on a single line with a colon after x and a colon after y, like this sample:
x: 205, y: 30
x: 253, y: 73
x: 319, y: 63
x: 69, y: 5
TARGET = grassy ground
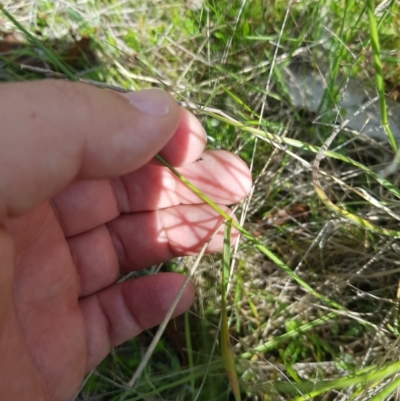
x: 313, y: 314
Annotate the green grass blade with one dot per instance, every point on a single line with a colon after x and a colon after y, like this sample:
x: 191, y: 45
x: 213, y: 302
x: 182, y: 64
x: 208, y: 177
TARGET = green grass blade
x: 378, y: 71
x: 387, y: 391
x: 51, y: 56
x: 189, y: 350
x: 290, y: 334
x: 249, y: 237
x: 226, y: 351
x: 364, y: 380
x: 280, y: 142
x: 331, y: 93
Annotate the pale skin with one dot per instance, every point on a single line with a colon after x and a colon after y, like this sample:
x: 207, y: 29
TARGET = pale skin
x: 82, y: 199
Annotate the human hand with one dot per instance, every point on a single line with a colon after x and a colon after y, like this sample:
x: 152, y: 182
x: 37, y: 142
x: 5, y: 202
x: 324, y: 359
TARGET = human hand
x: 82, y: 199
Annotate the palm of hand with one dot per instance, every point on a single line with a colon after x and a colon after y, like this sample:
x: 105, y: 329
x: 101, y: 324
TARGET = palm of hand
x: 45, y: 325
x: 67, y: 311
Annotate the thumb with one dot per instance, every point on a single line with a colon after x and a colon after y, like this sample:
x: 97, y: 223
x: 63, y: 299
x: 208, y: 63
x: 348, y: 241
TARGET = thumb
x: 53, y: 132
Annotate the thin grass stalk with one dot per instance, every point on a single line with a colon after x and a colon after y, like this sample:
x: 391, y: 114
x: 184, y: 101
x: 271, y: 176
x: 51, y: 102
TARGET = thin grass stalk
x: 363, y: 380
x: 290, y: 334
x: 331, y: 93
x: 253, y: 240
x: 54, y: 60
x: 167, y: 318
x: 279, y: 141
x: 189, y: 350
x: 378, y: 72
x: 228, y: 357
x: 387, y: 391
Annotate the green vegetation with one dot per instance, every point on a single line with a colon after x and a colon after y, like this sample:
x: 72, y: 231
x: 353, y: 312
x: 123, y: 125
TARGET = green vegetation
x: 312, y: 300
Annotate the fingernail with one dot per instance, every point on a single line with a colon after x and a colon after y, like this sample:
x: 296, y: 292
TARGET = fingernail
x: 150, y: 101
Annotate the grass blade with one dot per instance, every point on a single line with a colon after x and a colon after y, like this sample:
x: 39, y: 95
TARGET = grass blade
x: 249, y: 237
x: 364, y: 380
x: 226, y: 351
x: 378, y: 71
x: 281, y: 143
x: 51, y: 56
